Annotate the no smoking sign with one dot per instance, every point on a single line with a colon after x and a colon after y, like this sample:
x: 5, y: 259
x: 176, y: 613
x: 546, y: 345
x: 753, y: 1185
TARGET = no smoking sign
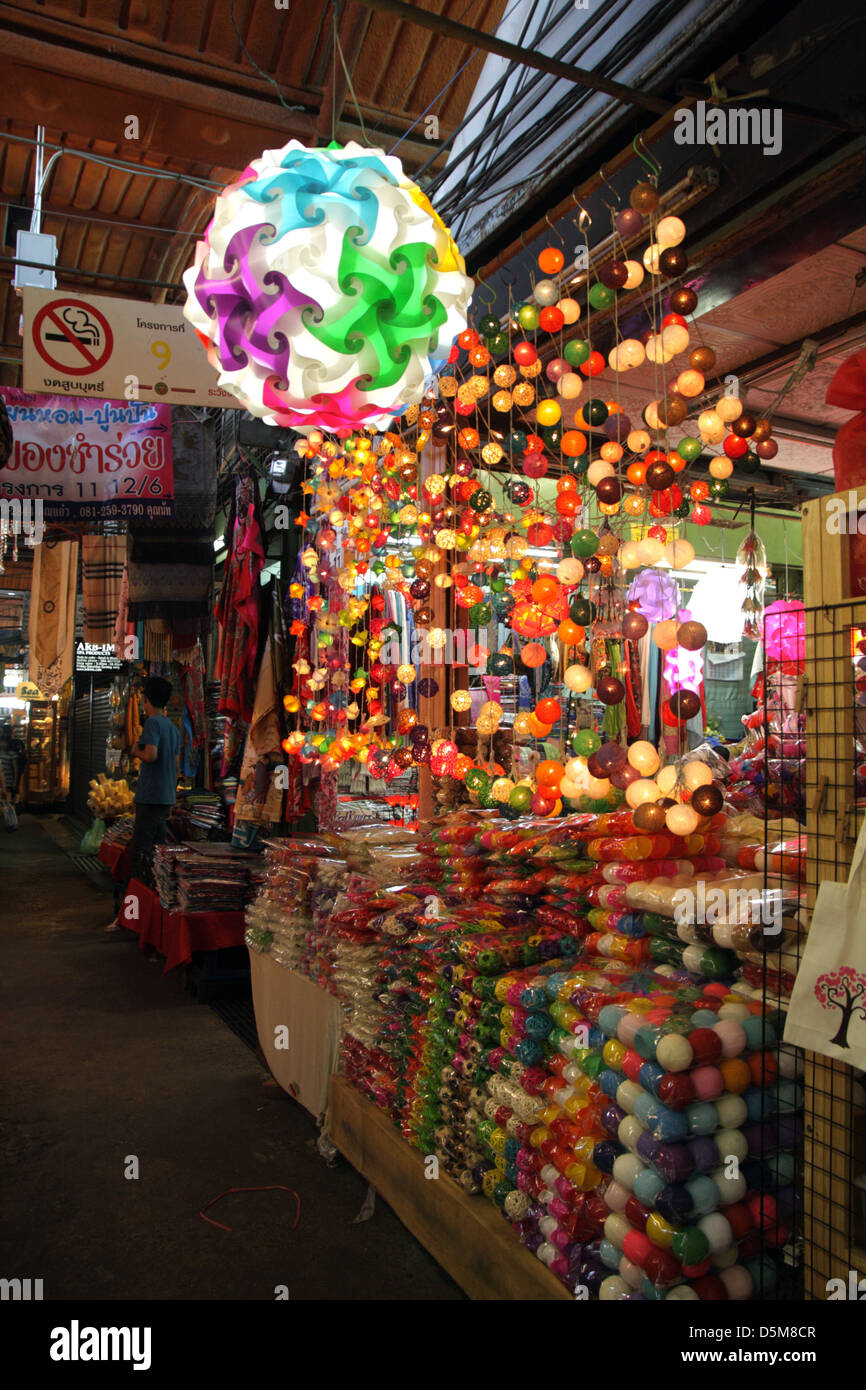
x: 73, y: 337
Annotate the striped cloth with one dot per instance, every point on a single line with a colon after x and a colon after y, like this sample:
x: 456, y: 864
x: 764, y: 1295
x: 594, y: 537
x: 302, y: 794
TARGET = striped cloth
x: 103, y: 559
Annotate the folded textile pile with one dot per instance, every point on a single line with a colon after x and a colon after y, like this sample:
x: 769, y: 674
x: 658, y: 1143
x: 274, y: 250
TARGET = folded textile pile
x: 194, y: 877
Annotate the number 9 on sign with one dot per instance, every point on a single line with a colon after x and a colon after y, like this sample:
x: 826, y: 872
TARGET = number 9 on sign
x: 162, y: 353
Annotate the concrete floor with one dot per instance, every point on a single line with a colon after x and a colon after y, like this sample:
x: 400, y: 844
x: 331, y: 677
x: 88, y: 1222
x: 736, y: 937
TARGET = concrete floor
x: 104, y: 1058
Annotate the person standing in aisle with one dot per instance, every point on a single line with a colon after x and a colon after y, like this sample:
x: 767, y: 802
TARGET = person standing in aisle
x: 12, y: 760
x: 155, y: 792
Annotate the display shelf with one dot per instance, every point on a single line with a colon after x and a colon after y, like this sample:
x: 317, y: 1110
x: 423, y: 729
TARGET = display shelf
x: 465, y: 1235
x: 834, y: 1141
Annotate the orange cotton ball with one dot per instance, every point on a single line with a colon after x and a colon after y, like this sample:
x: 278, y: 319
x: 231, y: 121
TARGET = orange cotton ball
x: 545, y: 589
x: 636, y: 473
x: 551, y: 260
x: 549, y: 773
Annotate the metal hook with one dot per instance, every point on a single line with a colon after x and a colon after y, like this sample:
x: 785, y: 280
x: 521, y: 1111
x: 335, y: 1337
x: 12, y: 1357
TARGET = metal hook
x: 480, y: 282
x: 553, y: 229
x: 652, y: 164
x: 584, y: 221
x: 604, y: 178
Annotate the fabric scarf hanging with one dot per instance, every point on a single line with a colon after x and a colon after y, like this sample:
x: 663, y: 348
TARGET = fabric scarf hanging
x: 52, y: 615
x: 102, y: 564
x: 237, y: 609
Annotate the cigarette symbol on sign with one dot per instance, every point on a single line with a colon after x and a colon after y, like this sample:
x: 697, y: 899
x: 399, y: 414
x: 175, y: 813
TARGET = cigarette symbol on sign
x: 83, y: 328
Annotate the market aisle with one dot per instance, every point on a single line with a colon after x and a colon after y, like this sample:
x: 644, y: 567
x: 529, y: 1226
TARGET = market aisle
x: 103, y: 1058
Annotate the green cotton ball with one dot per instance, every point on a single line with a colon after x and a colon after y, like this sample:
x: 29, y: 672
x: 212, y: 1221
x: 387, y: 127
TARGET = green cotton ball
x: 497, y: 584
x: 378, y: 567
x: 488, y: 325
x: 498, y: 343
x: 600, y: 296
x: 595, y: 412
x: 585, y: 742
x: 527, y: 317
x: 689, y: 448
x: 519, y: 798
x: 480, y: 614
x: 584, y: 543
x: 576, y: 352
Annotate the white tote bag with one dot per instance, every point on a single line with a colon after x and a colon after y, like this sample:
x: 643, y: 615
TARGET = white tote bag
x: 828, y: 1005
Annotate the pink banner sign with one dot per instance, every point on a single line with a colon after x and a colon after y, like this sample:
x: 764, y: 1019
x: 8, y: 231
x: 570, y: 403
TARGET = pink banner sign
x: 88, y: 460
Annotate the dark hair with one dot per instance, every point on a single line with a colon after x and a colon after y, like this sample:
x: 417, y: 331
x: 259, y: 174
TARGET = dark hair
x: 158, y: 691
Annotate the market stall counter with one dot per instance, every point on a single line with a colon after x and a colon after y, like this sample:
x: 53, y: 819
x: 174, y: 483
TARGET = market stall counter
x: 176, y: 935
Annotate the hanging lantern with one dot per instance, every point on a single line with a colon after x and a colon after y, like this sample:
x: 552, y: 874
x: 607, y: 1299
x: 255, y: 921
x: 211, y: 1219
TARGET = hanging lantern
x: 326, y: 288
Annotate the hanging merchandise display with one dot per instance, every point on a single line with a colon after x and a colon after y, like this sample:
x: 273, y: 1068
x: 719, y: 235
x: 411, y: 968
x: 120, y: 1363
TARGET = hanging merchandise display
x: 326, y: 289
x: 517, y: 495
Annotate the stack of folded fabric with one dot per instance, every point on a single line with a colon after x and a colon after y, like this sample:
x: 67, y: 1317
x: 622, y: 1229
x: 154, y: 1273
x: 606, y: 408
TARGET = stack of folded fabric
x: 214, y: 878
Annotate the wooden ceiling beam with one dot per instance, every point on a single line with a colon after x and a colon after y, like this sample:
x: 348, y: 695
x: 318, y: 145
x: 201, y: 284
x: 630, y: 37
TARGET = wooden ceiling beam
x: 46, y: 32
x: 209, y: 97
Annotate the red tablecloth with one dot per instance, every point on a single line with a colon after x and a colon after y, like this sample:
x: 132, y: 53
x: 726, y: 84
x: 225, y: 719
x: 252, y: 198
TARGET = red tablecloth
x: 177, y: 934
x: 116, y: 859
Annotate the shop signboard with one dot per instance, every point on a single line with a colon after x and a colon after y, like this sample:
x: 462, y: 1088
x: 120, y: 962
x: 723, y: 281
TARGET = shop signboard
x: 119, y: 349
x: 91, y: 657
x: 76, y: 459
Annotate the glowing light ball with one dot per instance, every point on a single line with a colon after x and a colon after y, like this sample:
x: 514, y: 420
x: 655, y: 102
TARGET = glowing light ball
x: 670, y: 232
x: 666, y: 779
x: 696, y: 774
x: 570, y: 309
x: 729, y: 408
x: 643, y: 756
x: 650, y: 550
x: 665, y: 635
x: 641, y: 792
x: 326, y: 288
x: 721, y: 468
x: 629, y: 555
x: 679, y: 554
x: 711, y: 428
x: 682, y: 820
x: 675, y: 339
x: 638, y: 441
x: 569, y: 571
x: 599, y: 470
x: 785, y: 630
x: 577, y: 678
x: 569, y: 386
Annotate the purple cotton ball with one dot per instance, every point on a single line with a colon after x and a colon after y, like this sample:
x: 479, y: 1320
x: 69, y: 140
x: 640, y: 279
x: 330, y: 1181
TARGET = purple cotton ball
x: 628, y: 222
x: 705, y: 1154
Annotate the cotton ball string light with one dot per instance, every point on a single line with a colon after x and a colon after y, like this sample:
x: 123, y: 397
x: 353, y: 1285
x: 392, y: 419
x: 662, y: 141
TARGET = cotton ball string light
x: 696, y: 774
x: 670, y: 232
x: 679, y: 554
x: 681, y: 820
x: 629, y: 555
x: 643, y: 756
x: 326, y: 288
x: 729, y: 408
x: 578, y: 679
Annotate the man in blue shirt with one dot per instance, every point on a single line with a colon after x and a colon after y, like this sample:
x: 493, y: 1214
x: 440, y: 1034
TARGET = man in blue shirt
x: 157, y: 748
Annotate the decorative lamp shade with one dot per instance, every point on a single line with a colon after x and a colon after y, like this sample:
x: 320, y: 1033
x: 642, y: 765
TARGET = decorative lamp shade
x: 326, y: 288
x: 655, y: 593
x: 717, y: 602
x: 785, y: 631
